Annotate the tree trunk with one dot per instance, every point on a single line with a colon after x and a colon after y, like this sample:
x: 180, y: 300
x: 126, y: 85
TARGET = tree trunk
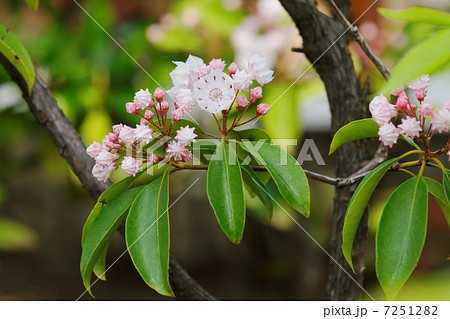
x: 327, y: 48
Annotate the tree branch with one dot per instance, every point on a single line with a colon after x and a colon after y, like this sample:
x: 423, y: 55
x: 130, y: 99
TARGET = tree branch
x: 359, y: 38
x: 72, y: 149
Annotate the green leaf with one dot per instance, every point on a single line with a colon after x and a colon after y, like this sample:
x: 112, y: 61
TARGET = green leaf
x: 147, y: 234
x: 252, y: 134
x: 358, y: 204
x: 446, y: 183
x: 16, y: 237
x: 225, y: 191
x: 401, y: 235
x: 418, y: 15
x: 286, y: 172
x: 99, y: 267
x: 426, y: 57
x: 257, y: 186
x: 182, y: 123
x: 104, y: 199
x: 12, y: 49
x: 437, y: 190
x: 101, y: 230
x: 354, y: 131
x: 33, y: 4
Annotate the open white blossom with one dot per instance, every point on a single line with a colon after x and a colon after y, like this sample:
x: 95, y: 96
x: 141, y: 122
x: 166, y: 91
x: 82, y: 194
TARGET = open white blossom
x: 214, y: 92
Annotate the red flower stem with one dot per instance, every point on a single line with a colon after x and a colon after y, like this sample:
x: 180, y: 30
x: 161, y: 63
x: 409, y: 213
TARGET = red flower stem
x: 217, y: 122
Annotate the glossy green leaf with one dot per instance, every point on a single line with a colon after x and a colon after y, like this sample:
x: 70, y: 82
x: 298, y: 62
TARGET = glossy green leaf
x: 437, y: 190
x: 401, y: 235
x: 358, y: 204
x: 354, y: 131
x: 418, y: 15
x: 33, y: 4
x: 252, y: 134
x: 446, y: 183
x: 258, y: 188
x: 104, y: 199
x: 286, y: 172
x: 12, y: 49
x: 426, y: 57
x: 225, y: 191
x: 147, y: 234
x: 100, y: 266
x: 101, y: 230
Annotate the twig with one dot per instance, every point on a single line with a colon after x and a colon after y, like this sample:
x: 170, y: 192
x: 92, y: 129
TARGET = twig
x: 359, y: 38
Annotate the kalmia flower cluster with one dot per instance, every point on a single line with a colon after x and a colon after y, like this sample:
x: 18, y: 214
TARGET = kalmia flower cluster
x: 216, y: 91
x: 127, y: 147
x: 419, y: 120
x: 195, y: 85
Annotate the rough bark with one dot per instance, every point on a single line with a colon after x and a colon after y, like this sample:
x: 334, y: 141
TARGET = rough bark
x: 71, y: 147
x: 324, y: 46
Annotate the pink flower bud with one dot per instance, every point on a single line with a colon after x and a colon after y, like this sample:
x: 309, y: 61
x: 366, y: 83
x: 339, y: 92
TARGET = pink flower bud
x: 94, y: 149
x: 164, y: 106
x: 242, y: 102
x: 131, y: 166
x: 389, y: 134
x: 148, y: 115
x: 152, y: 158
x: 420, y: 94
x: 159, y: 94
x: 217, y: 64
x: 262, y: 109
x: 232, y: 68
x: 255, y: 94
x: 186, y: 156
x: 202, y: 70
x: 177, y: 115
x: 101, y: 172
x: 402, y: 101
x: 132, y: 108
x: 142, y: 99
x: 143, y: 122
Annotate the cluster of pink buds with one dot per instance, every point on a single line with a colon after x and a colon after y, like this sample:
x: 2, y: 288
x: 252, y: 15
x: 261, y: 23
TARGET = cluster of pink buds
x: 419, y: 120
x: 216, y: 91
x: 127, y: 147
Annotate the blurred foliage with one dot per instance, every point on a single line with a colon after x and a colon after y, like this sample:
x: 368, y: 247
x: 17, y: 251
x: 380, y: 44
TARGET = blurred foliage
x: 15, y: 236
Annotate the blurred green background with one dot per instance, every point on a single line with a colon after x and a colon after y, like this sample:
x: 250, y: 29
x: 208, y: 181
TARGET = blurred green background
x: 43, y: 206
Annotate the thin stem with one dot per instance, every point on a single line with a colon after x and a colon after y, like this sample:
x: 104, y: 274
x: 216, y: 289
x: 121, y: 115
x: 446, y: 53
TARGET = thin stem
x: 217, y: 122
x: 407, y: 172
x: 354, y: 31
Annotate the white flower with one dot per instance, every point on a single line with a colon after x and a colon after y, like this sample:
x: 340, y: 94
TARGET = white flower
x: 131, y: 166
x: 127, y: 135
x: 143, y: 134
x: 388, y: 134
x: 446, y: 104
x: 258, y: 71
x: 106, y: 158
x: 176, y: 150
x: 242, y: 80
x: 101, y: 172
x: 441, y: 120
x: 142, y: 99
x: 214, y: 92
x: 185, y: 74
x: 410, y: 127
x: 382, y: 111
x: 186, y: 135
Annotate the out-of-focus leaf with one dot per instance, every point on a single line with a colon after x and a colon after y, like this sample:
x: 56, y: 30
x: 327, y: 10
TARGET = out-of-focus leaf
x: 33, y: 4
x: 226, y: 192
x: 15, y: 236
x: 252, y: 134
x: 418, y: 15
x: 14, y: 52
x: 426, y: 57
x: 354, y: 131
x: 147, y: 234
x: 95, y: 125
x: 401, y: 235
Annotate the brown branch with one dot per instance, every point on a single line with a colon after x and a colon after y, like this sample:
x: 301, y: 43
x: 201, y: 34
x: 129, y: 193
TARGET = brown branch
x: 72, y: 149
x: 359, y: 38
